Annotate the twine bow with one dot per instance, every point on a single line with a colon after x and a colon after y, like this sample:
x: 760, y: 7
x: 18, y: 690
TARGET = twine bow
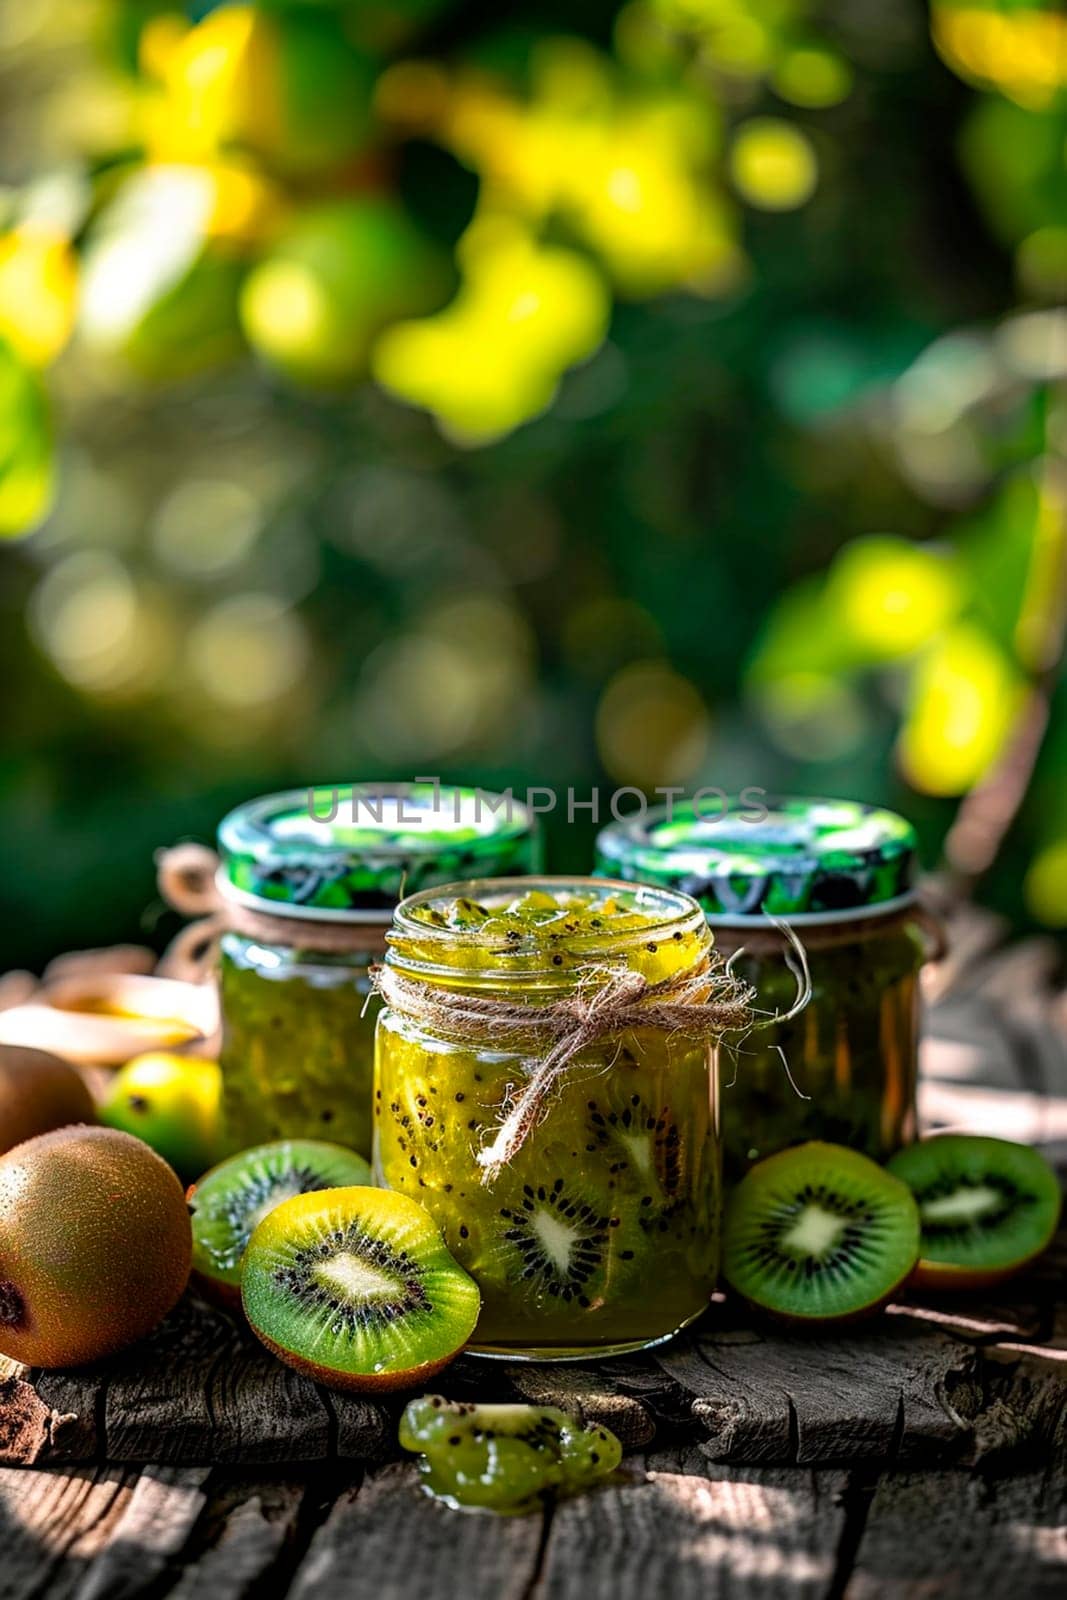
x: 702, y: 1003
x: 190, y: 881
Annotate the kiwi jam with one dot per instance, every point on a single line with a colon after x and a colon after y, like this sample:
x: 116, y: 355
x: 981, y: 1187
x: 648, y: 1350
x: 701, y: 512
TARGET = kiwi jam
x: 298, y: 1018
x: 842, y: 875
x: 600, y: 1232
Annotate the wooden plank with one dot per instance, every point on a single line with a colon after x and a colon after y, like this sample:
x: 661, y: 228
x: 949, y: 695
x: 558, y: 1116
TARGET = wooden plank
x: 249, y: 1527
x: 695, y: 1531
x: 388, y: 1540
x: 54, y: 1524
x: 150, y: 1535
x: 959, y: 1534
x: 915, y: 1382
x: 614, y: 1396
x: 762, y: 1396
x: 202, y: 1389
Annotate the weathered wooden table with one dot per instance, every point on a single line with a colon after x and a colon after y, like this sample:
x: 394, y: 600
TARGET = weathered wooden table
x: 923, y: 1455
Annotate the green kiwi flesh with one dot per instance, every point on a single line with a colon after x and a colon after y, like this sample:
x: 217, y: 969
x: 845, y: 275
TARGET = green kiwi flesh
x: 354, y: 1286
x: 510, y: 1459
x: 230, y: 1201
x: 818, y: 1233
x: 987, y: 1206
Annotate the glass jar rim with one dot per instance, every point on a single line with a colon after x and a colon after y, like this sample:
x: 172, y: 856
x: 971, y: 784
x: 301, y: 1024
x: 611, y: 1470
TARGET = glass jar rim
x: 678, y: 912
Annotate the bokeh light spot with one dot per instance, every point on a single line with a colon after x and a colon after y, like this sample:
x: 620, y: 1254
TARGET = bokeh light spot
x: 205, y: 526
x: 812, y: 78
x: 1045, y: 886
x: 247, y: 652
x: 892, y: 596
x: 964, y: 699
x: 772, y: 164
x: 652, y: 726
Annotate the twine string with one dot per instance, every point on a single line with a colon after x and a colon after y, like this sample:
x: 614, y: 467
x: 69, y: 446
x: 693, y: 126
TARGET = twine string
x: 705, y: 1002
x: 190, y: 880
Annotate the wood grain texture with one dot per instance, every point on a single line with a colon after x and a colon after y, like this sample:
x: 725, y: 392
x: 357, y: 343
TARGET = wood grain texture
x: 386, y: 1539
x: 248, y: 1539
x: 897, y: 1459
x: 100, y: 1534
x: 957, y: 1535
x: 54, y: 1524
x: 928, y: 1382
x: 760, y: 1396
x: 204, y: 1390
x: 697, y: 1532
x: 149, y: 1536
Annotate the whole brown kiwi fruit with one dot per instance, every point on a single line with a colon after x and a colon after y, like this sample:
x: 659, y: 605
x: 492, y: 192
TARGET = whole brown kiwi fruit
x: 38, y: 1092
x: 95, y: 1245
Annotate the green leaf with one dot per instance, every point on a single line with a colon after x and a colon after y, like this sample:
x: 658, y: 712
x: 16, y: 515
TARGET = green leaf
x: 26, y: 454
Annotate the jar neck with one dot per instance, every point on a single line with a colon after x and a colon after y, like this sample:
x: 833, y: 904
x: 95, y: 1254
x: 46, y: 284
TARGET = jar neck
x: 667, y: 935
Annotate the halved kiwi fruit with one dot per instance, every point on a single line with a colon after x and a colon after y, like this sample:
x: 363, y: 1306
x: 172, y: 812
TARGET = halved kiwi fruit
x: 354, y: 1287
x: 505, y: 1458
x: 230, y: 1201
x: 819, y: 1233
x: 987, y: 1207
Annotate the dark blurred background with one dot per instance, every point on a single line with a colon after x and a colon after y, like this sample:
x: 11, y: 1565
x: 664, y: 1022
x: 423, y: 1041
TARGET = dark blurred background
x: 669, y: 396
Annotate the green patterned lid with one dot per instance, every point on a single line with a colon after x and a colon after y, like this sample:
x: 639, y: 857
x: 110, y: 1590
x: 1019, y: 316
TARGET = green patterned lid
x: 351, y: 850
x: 802, y: 858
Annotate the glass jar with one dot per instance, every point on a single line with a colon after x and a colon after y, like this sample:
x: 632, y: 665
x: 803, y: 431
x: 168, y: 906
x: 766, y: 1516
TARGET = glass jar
x: 326, y: 867
x: 842, y: 875
x: 600, y: 1233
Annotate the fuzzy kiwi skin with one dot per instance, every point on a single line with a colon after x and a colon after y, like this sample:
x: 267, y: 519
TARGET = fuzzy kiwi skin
x: 95, y: 1245
x: 39, y: 1093
x: 941, y: 1275
x: 938, y: 1275
x: 357, y: 1382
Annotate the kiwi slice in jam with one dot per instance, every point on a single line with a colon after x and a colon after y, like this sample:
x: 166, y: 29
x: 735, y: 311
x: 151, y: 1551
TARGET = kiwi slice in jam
x: 230, y: 1201
x: 505, y: 1458
x: 987, y: 1207
x: 819, y: 1233
x: 354, y: 1287
x: 553, y: 1242
x: 640, y: 1139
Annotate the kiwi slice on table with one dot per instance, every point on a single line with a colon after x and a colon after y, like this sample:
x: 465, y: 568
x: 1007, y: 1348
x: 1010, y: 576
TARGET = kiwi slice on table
x: 505, y: 1458
x: 230, y: 1201
x: 818, y: 1233
x: 987, y: 1207
x: 354, y: 1287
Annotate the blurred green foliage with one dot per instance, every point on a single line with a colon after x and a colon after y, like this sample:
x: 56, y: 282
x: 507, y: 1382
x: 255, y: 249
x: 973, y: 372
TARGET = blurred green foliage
x: 672, y: 394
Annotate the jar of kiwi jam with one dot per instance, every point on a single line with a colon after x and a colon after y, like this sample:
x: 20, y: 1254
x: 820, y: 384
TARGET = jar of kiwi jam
x: 327, y: 866
x: 842, y: 875
x: 599, y: 1233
